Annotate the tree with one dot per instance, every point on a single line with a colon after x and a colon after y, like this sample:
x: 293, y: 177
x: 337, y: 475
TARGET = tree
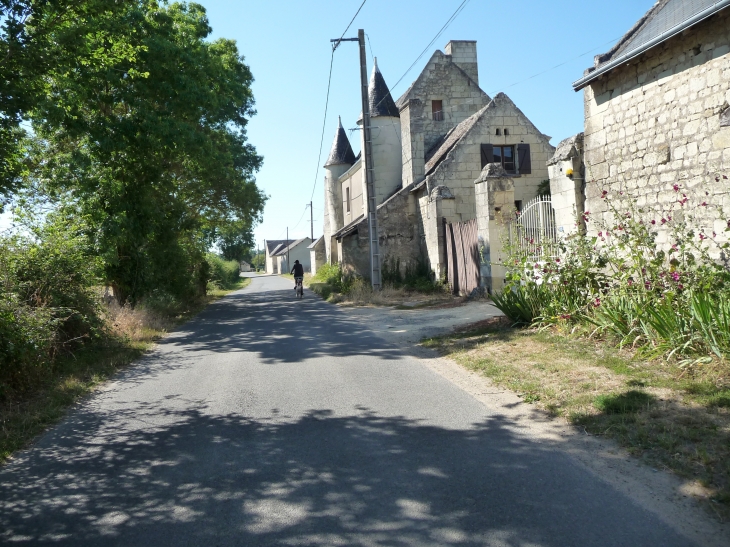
x: 36, y: 38
x: 150, y: 145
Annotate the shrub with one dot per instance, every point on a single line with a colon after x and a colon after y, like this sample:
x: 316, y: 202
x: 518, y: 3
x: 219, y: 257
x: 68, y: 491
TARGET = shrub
x: 671, y: 300
x: 48, y: 301
x: 223, y: 274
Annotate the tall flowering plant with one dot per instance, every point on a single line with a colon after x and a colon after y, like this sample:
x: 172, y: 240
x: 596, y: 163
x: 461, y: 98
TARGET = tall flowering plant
x: 653, y: 276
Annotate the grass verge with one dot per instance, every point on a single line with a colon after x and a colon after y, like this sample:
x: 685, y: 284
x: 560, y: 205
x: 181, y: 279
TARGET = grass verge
x: 131, y: 334
x: 671, y: 417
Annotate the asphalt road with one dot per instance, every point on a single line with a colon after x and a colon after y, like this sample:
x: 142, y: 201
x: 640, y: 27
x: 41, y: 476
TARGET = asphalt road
x: 271, y: 421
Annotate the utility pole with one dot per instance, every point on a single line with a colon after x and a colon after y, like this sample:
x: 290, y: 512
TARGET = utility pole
x: 311, y: 219
x: 287, y: 250
x: 371, y: 204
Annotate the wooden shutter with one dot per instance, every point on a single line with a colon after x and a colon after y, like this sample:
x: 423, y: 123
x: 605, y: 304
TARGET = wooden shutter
x: 487, y: 154
x: 523, y: 155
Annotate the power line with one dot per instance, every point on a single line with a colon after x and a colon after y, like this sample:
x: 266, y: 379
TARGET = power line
x: 613, y: 41
x: 327, y: 101
x: 439, y: 33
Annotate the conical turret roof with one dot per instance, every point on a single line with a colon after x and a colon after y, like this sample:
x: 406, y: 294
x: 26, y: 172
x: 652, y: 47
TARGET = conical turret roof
x: 341, y: 152
x: 381, y: 101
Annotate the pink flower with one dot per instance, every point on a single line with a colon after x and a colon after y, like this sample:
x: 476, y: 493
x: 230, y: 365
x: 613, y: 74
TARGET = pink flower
x: 664, y: 221
x: 702, y: 237
x: 630, y: 282
x: 597, y: 302
x: 600, y: 234
x: 680, y: 286
x: 675, y: 276
x: 676, y: 187
x: 604, y: 194
x: 557, y: 260
x: 704, y: 204
x: 653, y: 221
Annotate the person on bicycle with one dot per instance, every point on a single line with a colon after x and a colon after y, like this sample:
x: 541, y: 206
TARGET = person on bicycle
x: 298, y: 272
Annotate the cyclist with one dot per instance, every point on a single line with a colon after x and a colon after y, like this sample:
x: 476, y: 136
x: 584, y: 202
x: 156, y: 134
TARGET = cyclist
x: 298, y: 272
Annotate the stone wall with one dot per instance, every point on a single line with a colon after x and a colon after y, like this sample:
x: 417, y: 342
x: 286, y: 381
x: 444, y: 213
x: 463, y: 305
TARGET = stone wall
x: 333, y: 217
x: 462, y: 166
x: 567, y: 184
x: 440, y: 80
x: 385, y: 132
x: 657, y: 122
x: 317, y: 255
x: 352, y: 181
x: 464, y: 55
x: 398, y: 237
x: 495, y: 194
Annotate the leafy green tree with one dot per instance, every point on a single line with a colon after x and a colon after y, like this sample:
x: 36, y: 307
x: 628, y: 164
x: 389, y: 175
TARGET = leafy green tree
x: 150, y: 145
x: 38, y: 37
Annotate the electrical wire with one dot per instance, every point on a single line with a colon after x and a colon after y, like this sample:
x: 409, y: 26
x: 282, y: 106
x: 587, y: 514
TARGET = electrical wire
x: 327, y: 100
x: 439, y: 33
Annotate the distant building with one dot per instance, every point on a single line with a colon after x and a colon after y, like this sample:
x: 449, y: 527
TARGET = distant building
x: 245, y: 266
x: 272, y: 246
x: 286, y: 255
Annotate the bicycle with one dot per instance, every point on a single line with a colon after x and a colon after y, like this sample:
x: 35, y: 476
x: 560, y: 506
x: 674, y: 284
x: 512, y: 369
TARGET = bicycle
x: 299, y: 287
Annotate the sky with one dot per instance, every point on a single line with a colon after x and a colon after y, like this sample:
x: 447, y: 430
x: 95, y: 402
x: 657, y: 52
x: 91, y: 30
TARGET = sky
x: 532, y: 50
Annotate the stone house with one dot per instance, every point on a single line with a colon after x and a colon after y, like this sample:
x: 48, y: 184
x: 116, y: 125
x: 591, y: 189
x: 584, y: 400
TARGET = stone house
x: 657, y: 113
x: 429, y: 148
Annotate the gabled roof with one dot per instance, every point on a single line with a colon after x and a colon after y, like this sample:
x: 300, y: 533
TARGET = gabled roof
x: 438, y: 151
x: 314, y: 243
x: 272, y: 244
x: 665, y: 19
x: 341, y: 152
x: 411, y: 91
x: 284, y: 248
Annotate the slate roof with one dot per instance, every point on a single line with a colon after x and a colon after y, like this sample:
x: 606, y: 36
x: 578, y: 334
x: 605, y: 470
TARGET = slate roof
x: 381, y: 101
x: 341, y: 152
x: 314, y: 243
x: 349, y: 228
x: 273, y: 244
x: 665, y: 19
x: 292, y: 245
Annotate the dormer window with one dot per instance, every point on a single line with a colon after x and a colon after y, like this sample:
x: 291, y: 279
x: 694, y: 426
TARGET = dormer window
x: 437, y: 111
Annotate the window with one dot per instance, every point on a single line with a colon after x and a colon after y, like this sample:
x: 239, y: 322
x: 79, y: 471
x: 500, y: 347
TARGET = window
x: 506, y: 132
x: 347, y: 199
x: 499, y: 132
x: 506, y: 156
x: 518, y: 204
x: 437, y: 110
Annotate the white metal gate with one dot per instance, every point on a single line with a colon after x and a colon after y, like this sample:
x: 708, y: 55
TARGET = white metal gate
x: 533, y: 231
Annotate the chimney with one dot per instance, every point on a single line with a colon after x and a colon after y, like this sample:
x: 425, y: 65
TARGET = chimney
x: 464, y: 55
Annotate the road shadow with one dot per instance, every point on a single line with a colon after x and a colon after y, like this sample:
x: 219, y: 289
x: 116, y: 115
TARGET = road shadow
x: 277, y: 328
x: 320, y: 479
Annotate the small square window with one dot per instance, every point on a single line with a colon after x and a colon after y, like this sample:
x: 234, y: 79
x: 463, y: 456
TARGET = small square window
x: 499, y: 132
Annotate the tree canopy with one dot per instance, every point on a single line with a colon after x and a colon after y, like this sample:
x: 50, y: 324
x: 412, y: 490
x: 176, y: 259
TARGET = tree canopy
x: 138, y: 127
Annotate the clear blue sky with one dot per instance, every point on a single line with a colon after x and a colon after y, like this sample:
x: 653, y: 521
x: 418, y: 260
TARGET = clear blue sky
x: 286, y: 44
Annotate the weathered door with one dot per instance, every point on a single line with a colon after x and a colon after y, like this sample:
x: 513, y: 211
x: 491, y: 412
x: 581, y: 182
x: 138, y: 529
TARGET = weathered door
x: 462, y: 256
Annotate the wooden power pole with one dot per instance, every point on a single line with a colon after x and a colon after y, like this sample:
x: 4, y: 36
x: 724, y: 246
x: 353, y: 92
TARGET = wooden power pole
x: 370, y: 203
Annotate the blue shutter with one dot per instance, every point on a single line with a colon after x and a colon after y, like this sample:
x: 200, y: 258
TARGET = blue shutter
x: 523, y: 156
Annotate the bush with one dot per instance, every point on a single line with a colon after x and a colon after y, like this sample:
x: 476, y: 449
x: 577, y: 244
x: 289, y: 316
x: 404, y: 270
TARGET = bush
x: 223, y: 274
x: 48, y: 301
x: 672, y: 301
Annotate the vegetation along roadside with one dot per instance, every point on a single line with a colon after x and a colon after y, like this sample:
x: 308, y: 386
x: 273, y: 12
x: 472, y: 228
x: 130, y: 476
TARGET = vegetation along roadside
x: 623, y: 328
